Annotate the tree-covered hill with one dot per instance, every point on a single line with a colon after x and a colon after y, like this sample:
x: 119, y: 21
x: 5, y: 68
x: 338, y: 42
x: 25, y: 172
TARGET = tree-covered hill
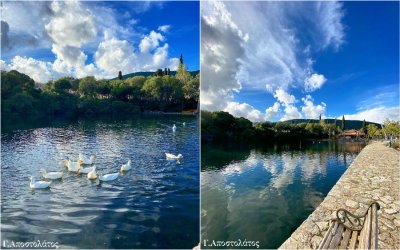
x: 222, y: 127
x: 350, y: 124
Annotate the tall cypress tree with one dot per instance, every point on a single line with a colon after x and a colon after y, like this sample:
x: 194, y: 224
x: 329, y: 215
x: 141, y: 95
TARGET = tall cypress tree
x: 120, y: 75
x: 343, y: 123
x: 181, y: 73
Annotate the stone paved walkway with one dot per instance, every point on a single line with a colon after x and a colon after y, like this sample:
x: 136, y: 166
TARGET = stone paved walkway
x: 373, y: 175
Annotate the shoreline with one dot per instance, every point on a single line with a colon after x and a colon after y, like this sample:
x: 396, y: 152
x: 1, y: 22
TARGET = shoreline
x: 372, y: 176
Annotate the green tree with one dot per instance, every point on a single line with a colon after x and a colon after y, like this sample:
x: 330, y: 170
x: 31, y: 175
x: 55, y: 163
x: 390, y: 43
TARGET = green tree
x: 62, y: 85
x: 181, y: 73
x: 391, y: 128
x: 364, y: 128
x: 103, y: 88
x: 120, y: 75
x: 191, y: 91
x: 373, y: 131
x: 336, y: 126
x: 88, y: 86
x: 136, y: 81
x: 343, y: 123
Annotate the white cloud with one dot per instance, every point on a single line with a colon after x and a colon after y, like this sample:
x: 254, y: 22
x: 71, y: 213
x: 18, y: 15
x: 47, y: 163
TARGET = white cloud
x: 164, y: 28
x: 160, y: 56
x: 272, y: 111
x: 310, y: 110
x: 291, y: 112
x: 244, y: 110
x: 17, y: 17
x: 330, y: 15
x: 378, y: 114
x: 115, y: 55
x: 285, y: 98
x: 151, y: 42
x: 69, y: 56
x: 314, y: 82
x: 263, y: 49
x: 3, y: 65
x: 71, y: 25
x: 221, y: 46
x: 72, y: 29
x: 37, y: 70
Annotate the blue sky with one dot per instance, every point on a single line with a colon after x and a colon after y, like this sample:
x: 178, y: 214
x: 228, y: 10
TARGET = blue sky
x: 301, y: 59
x: 53, y: 39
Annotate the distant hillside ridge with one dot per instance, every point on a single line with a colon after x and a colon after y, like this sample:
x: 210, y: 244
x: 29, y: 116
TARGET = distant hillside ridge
x: 150, y: 73
x: 349, y: 124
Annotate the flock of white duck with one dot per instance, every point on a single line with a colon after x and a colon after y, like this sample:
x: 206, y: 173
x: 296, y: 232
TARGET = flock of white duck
x: 91, y: 172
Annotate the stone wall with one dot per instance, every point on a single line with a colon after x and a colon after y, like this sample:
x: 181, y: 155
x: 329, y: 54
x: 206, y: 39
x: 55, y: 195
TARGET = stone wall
x: 373, y: 175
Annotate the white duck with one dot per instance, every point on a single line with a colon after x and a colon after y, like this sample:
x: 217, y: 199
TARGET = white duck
x: 38, y: 184
x: 50, y: 175
x: 126, y: 167
x: 82, y: 170
x: 184, y: 123
x: 92, y: 175
x: 171, y: 156
x: 86, y: 160
x: 71, y: 165
x: 108, y: 177
x: 173, y: 128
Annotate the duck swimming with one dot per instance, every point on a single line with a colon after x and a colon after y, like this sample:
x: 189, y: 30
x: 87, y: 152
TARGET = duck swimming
x: 38, y: 184
x: 171, y: 156
x: 82, y: 170
x: 86, y: 160
x: 71, y: 165
x: 127, y: 166
x: 92, y: 175
x: 108, y: 177
x: 50, y: 175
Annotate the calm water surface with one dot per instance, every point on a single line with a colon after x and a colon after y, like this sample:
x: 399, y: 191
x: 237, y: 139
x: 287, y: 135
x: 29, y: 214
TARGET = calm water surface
x: 265, y: 194
x: 155, y: 205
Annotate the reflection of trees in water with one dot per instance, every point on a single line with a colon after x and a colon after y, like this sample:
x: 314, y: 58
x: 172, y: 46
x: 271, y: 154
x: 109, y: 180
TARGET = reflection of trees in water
x: 281, y: 194
x: 219, y: 157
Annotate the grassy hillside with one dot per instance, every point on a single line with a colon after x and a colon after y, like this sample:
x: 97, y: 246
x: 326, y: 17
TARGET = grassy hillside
x: 350, y: 124
x: 146, y: 74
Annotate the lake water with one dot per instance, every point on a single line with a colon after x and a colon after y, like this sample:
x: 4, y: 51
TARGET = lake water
x: 265, y: 194
x: 154, y: 205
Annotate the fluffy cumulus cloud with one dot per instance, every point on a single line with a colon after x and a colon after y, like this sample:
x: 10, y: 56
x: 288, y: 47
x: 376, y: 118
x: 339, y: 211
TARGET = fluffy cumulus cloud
x: 151, y: 41
x: 291, y: 112
x: 314, y: 82
x: 221, y: 46
x: 272, y: 111
x: 310, y: 110
x: 113, y: 55
x: 74, y: 29
x: 263, y: 50
x: 378, y: 114
x: 244, y: 110
x: 285, y: 98
x: 3, y: 65
x: 38, y: 70
x: 71, y: 25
